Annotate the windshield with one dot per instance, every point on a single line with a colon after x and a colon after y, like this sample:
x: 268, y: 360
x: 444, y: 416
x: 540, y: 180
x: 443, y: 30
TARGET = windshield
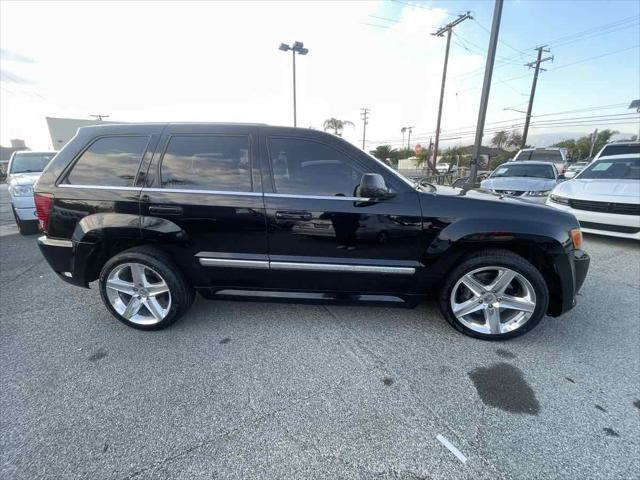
x: 26, y: 163
x: 524, y: 170
x: 625, y: 168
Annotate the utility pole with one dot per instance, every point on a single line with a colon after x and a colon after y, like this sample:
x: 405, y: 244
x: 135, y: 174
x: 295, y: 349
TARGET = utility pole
x: 447, y: 28
x: 409, y: 138
x: 364, y: 112
x: 594, y: 139
x: 486, y: 87
x: 99, y: 117
x: 537, y: 63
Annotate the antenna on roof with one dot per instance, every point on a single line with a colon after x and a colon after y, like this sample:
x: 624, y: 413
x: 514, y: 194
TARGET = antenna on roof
x: 99, y: 117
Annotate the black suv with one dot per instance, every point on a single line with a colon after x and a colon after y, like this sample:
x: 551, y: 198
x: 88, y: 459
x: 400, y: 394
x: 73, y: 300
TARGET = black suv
x: 156, y: 212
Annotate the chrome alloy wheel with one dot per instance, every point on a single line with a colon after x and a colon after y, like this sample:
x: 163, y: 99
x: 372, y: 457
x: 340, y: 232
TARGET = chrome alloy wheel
x: 493, y: 300
x: 138, y: 293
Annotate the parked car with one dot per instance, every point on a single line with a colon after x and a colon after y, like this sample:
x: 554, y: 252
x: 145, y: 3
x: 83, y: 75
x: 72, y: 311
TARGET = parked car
x: 574, y: 168
x: 558, y: 156
x: 22, y: 172
x: 618, y: 148
x: 156, y: 212
x: 604, y: 197
x: 442, y: 167
x: 531, y: 180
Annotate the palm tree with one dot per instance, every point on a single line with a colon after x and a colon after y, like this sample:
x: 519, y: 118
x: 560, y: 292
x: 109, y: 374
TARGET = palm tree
x: 515, y: 139
x: 385, y: 153
x: 403, y: 130
x: 336, y: 125
x: 500, y: 139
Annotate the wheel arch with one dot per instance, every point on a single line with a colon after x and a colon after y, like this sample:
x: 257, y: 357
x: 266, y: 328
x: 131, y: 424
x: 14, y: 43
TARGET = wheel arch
x: 538, y: 249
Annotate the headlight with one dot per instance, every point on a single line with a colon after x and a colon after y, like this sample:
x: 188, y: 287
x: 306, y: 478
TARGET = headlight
x: 538, y: 193
x: 558, y: 199
x: 21, y: 190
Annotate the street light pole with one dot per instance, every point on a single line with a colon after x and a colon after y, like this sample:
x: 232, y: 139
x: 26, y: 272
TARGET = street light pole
x: 298, y: 47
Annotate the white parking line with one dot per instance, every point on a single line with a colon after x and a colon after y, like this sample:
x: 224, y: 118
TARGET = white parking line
x: 452, y: 449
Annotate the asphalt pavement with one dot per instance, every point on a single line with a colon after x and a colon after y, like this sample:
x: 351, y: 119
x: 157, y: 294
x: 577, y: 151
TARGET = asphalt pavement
x: 273, y: 390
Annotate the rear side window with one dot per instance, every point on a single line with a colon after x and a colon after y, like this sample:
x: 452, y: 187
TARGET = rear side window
x: 207, y: 163
x: 109, y: 161
x: 303, y: 167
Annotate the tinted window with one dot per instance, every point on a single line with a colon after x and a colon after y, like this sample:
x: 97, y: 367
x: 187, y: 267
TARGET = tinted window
x: 30, y: 162
x: 207, y: 163
x: 541, y: 155
x: 620, y: 149
x: 109, y: 161
x: 618, y: 169
x: 308, y: 168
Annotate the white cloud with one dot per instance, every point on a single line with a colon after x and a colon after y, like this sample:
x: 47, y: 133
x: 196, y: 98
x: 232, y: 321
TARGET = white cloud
x: 220, y: 62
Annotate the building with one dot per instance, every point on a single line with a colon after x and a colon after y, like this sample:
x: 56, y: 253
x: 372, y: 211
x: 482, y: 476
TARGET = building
x: 62, y: 130
x: 17, y: 144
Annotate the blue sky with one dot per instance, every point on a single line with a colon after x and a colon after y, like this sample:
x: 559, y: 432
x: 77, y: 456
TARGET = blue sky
x: 218, y: 61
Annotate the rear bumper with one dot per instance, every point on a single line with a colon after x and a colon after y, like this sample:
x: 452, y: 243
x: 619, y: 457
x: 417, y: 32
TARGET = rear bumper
x: 572, y: 270
x: 59, y: 254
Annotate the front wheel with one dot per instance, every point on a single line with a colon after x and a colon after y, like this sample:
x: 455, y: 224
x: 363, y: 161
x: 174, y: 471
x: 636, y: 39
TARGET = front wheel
x: 143, y: 289
x: 494, y: 295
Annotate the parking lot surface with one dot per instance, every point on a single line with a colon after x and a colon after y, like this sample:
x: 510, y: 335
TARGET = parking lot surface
x: 273, y: 390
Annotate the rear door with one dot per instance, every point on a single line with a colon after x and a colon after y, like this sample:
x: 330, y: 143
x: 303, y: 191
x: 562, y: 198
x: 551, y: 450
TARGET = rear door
x: 203, y: 202
x: 322, y: 235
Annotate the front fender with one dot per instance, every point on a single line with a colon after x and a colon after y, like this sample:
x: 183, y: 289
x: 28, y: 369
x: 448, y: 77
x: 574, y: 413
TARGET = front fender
x: 497, y: 231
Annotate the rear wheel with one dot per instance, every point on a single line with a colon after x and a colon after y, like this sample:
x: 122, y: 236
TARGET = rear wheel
x: 494, y: 295
x: 143, y: 289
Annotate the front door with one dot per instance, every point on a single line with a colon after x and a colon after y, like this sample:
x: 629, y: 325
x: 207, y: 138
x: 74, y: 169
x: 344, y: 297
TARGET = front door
x: 321, y: 235
x: 202, y: 201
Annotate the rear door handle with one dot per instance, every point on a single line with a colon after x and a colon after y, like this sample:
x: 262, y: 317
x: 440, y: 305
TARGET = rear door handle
x: 293, y: 215
x: 165, y: 210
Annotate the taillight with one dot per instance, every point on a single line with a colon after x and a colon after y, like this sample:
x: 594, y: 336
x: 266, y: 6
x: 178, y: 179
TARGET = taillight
x: 44, y: 205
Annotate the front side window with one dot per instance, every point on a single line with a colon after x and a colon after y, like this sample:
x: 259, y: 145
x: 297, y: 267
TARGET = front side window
x: 30, y: 162
x: 207, y: 163
x: 109, y: 161
x: 304, y: 167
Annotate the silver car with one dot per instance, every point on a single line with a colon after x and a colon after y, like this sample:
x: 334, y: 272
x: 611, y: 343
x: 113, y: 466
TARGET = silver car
x: 531, y: 180
x: 23, y: 171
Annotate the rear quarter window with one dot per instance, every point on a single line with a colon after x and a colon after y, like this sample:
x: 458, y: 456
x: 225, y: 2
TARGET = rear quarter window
x: 109, y: 161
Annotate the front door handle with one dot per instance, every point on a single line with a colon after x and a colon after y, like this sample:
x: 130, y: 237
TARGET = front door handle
x: 165, y: 210
x: 293, y: 215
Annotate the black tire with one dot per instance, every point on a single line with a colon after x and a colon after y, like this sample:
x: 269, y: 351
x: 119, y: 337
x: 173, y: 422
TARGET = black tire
x: 25, y: 227
x: 182, y: 294
x: 499, y: 258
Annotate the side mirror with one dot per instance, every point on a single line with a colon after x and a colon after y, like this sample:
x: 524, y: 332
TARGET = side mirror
x: 372, y: 185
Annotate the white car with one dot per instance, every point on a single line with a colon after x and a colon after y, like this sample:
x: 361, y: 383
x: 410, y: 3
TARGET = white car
x: 618, y: 148
x: 604, y: 197
x: 530, y: 180
x: 23, y: 171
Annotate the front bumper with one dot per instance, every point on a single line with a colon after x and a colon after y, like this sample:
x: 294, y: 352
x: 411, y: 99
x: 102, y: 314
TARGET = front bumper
x: 25, y: 208
x: 602, y: 223
x: 572, y: 269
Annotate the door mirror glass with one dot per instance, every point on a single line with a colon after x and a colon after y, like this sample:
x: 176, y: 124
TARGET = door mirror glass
x: 372, y: 185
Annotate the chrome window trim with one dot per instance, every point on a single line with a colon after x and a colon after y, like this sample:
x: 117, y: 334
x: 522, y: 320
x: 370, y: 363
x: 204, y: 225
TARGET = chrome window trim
x: 304, y: 266
x: 229, y: 262
x: 210, y: 192
x: 339, y: 267
x: 99, y: 187
x: 318, y: 197
x: 54, y: 242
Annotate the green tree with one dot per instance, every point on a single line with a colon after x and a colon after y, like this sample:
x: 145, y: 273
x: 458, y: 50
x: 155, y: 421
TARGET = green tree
x: 515, y: 139
x: 336, y: 125
x: 500, y: 139
x: 455, y: 156
x: 578, y: 149
x: 384, y: 152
